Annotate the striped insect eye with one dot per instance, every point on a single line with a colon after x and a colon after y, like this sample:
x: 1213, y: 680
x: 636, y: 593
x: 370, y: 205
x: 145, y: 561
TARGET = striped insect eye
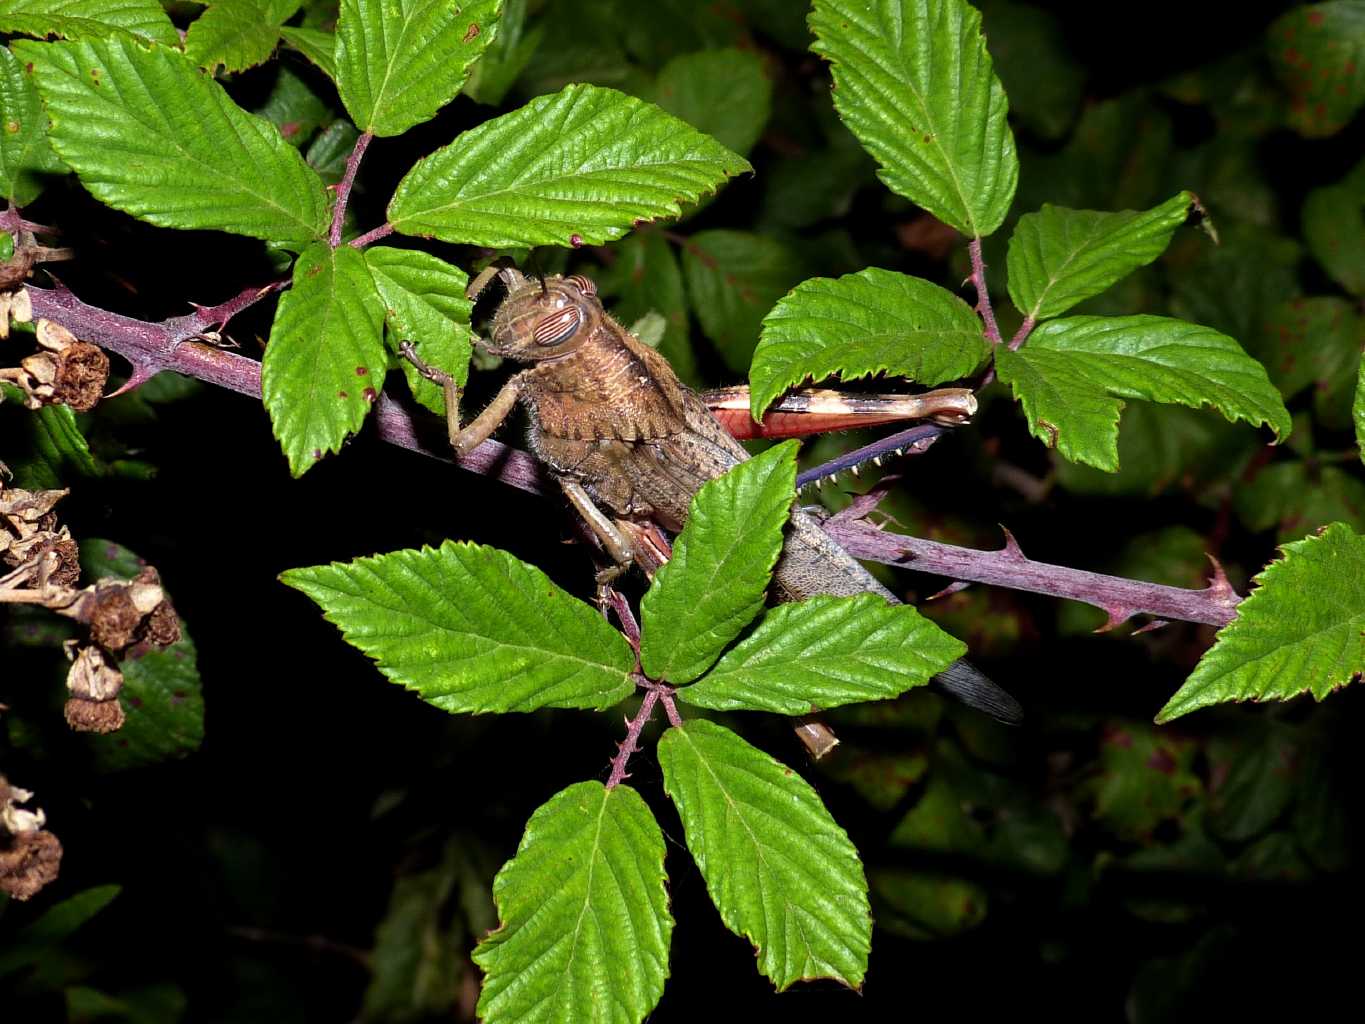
x: 558, y: 327
x: 581, y: 283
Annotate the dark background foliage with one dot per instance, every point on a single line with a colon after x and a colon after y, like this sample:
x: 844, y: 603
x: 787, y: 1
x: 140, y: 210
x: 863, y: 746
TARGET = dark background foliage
x: 1087, y: 865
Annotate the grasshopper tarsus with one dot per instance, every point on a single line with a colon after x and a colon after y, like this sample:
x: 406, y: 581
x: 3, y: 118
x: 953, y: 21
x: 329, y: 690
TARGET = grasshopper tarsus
x: 409, y: 352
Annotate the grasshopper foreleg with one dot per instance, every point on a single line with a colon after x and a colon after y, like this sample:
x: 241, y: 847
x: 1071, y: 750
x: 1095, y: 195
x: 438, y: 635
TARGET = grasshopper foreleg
x: 464, y: 439
x: 614, y: 542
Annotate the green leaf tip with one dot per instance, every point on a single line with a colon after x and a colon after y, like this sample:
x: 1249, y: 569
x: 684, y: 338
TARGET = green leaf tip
x: 584, y: 909
x: 1302, y: 630
x: 914, y: 83
x: 779, y: 869
x: 473, y: 629
x: 541, y: 175
x: 715, y: 582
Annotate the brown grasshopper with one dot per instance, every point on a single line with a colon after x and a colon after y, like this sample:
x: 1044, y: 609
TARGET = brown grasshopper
x: 630, y: 444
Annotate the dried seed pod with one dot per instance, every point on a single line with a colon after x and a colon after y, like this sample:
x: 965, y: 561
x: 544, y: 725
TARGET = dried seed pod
x: 162, y: 627
x: 29, y: 861
x: 82, y: 372
x: 53, y: 336
x: 94, y: 715
x: 113, y: 613
x: 92, y: 677
x: 13, y: 818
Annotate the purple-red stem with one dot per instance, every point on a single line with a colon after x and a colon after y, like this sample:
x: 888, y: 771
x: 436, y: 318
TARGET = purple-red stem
x: 983, y: 296
x: 344, y: 187
x: 152, y: 347
x: 633, y: 729
x: 1021, y: 335
x: 373, y: 235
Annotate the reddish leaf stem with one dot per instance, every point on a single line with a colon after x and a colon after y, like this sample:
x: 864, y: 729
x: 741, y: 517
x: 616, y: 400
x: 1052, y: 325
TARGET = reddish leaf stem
x: 373, y: 235
x: 1021, y: 335
x: 628, y: 745
x: 983, y: 295
x: 344, y: 187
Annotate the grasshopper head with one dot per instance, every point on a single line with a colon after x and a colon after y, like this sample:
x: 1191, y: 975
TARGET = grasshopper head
x: 543, y: 318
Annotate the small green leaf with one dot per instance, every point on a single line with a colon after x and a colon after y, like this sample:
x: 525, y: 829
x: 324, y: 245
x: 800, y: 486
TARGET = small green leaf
x: 926, y: 905
x: 424, y: 302
x: 714, y: 584
x: 1358, y: 408
x: 295, y: 109
x: 584, y: 910
x: 59, y: 452
x: 317, y: 45
x: 1145, y: 778
x: 400, y: 61
x: 779, y: 869
x: 25, y: 154
x: 1295, y: 499
x: 914, y: 83
x: 1257, y: 779
x: 1318, y: 54
x: 541, y: 175
x: 325, y: 362
x: 328, y: 153
x: 237, y: 34
x: 1333, y: 222
x: 150, y: 135
x: 723, y: 93
x: 1310, y: 341
x: 824, y: 652
x: 472, y: 629
x: 733, y: 278
x: 646, y: 278
x: 162, y: 695
x: 1038, y: 69
x: 1302, y: 630
x: 506, y: 56
x: 874, y: 321
x: 1066, y: 375
x: 29, y: 944
x: 89, y: 19
x: 1059, y: 257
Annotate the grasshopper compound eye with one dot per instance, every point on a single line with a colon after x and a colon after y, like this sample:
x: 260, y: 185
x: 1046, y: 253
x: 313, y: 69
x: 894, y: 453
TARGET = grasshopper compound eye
x: 558, y: 327
x: 581, y: 283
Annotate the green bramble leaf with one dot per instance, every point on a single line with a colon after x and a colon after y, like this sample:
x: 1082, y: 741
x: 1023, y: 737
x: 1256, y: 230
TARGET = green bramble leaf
x: 1358, y: 408
x: 1073, y: 372
x: 1059, y: 257
x: 89, y: 19
x: 237, y: 34
x: 424, y: 302
x: 327, y: 154
x: 57, y: 451
x: 914, y: 83
x: 824, y: 652
x: 1307, y: 341
x: 874, y: 321
x: 723, y: 93
x: 1296, y: 498
x: 400, y: 61
x: 584, y: 910
x: 541, y: 175
x: 295, y: 109
x: 506, y: 57
x: 472, y: 629
x: 28, y: 945
x: 25, y: 154
x: 1146, y: 777
x: 162, y: 695
x: 733, y: 278
x: 1333, y: 221
x: 779, y: 869
x: 1302, y: 630
x: 150, y: 135
x: 317, y: 45
x: 325, y: 362
x: 714, y: 584
x: 1318, y: 54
